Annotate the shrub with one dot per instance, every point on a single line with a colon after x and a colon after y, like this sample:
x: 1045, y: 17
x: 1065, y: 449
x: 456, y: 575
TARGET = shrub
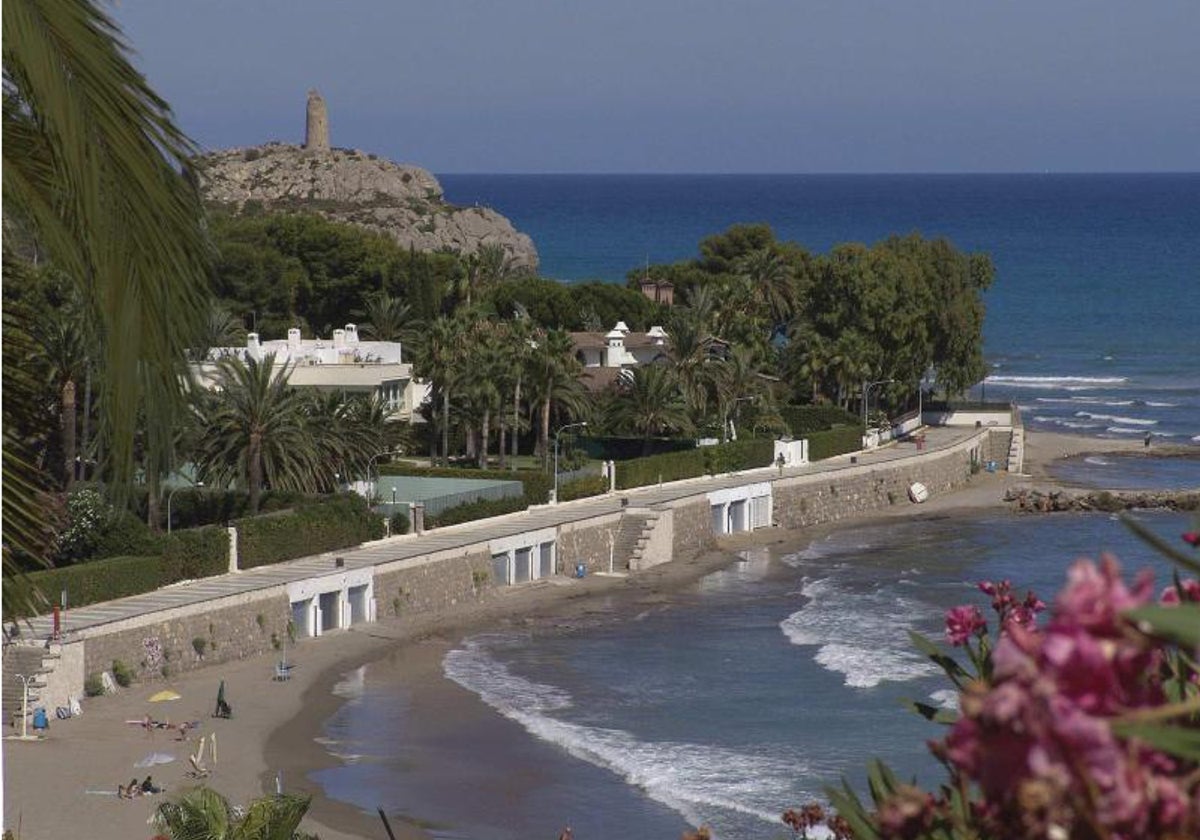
x: 196, y: 552
x: 342, y: 522
x: 122, y: 673
x: 251, y: 155
x: 199, y: 644
x: 125, y: 536
x: 399, y: 523
x: 98, y: 580
x: 93, y: 686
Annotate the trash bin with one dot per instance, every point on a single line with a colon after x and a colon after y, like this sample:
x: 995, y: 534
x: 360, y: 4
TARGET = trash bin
x: 580, y: 570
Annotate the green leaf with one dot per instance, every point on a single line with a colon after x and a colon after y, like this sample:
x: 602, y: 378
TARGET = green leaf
x: 881, y: 780
x: 846, y: 802
x: 1172, y: 739
x: 947, y: 663
x: 1172, y: 553
x: 1179, y: 624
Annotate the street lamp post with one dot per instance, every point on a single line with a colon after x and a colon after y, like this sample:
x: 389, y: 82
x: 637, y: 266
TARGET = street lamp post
x: 562, y: 429
x: 171, y: 495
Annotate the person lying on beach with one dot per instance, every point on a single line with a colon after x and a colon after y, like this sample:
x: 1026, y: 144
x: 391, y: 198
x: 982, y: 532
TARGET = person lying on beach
x: 130, y: 790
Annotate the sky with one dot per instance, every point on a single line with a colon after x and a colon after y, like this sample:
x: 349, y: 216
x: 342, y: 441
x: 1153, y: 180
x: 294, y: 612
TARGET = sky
x: 691, y: 86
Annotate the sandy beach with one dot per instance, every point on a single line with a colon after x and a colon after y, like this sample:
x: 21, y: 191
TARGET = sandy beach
x: 54, y: 787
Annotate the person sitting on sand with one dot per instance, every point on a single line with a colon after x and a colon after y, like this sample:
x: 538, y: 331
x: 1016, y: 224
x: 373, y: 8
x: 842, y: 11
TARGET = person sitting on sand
x: 148, y: 787
x: 130, y: 790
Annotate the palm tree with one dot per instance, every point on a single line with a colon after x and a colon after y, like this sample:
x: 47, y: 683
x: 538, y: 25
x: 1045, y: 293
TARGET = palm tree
x: 439, y: 359
x: 255, y: 430
x: 61, y: 345
x: 203, y: 814
x: 554, y: 378
x: 651, y: 403
x: 689, y: 356
x: 93, y: 166
x: 221, y: 329
x: 770, y: 283
x: 735, y: 380
x: 388, y: 318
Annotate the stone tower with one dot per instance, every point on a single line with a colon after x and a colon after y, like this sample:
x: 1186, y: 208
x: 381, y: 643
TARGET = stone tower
x: 316, y: 127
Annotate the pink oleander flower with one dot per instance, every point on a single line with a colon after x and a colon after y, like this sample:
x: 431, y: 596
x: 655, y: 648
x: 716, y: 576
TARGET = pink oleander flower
x: 1191, y: 592
x: 1040, y: 731
x: 1094, y: 598
x: 962, y: 623
x: 1192, y: 538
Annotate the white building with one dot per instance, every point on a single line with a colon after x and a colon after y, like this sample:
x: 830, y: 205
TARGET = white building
x: 604, y: 355
x: 343, y: 364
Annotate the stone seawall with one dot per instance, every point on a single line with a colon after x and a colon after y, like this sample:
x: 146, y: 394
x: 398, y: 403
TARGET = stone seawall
x: 158, y: 647
x: 432, y: 587
x: 587, y: 542
x: 819, y: 499
x: 159, y: 644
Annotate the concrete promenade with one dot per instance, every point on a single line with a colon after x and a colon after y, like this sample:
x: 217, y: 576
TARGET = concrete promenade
x: 473, y: 533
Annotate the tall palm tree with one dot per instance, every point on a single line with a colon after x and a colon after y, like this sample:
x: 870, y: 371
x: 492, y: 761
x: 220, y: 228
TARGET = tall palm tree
x: 439, y: 359
x: 255, y: 430
x: 61, y: 345
x: 203, y: 814
x: 689, y: 357
x: 735, y: 380
x: 554, y: 378
x: 651, y: 403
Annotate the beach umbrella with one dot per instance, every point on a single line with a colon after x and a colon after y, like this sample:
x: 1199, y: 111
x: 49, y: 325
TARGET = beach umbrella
x: 155, y: 758
x: 163, y: 696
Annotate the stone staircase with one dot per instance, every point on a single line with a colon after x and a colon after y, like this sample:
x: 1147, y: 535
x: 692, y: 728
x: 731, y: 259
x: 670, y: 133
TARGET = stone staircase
x: 30, y: 659
x: 632, y: 536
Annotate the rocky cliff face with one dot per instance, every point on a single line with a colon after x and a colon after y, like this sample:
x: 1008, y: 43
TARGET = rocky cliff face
x: 404, y: 202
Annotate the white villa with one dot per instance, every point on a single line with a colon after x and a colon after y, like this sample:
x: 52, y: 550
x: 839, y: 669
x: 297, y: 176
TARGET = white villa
x: 344, y: 364
x: 605, y: 355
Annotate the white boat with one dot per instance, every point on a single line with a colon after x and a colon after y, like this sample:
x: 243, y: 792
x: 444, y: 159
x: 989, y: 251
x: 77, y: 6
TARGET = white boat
x: 918, y: 492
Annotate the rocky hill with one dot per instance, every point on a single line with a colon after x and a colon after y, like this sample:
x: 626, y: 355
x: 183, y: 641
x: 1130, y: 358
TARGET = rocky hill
x: 347, y: 185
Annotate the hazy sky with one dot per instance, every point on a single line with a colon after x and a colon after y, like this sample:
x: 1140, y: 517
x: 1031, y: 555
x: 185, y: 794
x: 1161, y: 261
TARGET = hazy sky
x: 692, y: 85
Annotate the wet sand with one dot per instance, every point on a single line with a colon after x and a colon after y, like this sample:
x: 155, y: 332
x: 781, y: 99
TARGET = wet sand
x: 276, y: 723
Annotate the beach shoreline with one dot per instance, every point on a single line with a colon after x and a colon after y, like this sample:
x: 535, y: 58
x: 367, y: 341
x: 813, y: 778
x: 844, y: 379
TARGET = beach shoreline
x: 276, y: 724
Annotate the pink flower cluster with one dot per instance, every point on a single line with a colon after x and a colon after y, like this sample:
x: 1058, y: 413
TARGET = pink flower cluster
x: 1038, y: 740
x: 962, y: 623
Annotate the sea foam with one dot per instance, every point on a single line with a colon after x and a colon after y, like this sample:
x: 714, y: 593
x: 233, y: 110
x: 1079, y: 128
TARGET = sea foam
x: 858, y: 634
x: 692, y: 779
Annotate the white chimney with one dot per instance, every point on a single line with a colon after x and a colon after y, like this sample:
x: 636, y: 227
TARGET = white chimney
x: 294, y: 338
x: 623, y: 327
x: 253, y: 348
x: 657, y: 334
x: 339, y: 339
x: 614, y: 354
x: 352, y: 334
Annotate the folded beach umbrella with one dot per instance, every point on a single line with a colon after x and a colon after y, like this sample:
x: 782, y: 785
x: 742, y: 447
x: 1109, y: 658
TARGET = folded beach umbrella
x: 166, y: 694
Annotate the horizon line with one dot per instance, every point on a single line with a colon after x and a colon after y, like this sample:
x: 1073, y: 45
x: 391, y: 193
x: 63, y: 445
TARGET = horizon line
x: 912, y: 173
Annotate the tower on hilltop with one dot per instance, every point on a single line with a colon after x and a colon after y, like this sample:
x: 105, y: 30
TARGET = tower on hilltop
x: 316, y: 126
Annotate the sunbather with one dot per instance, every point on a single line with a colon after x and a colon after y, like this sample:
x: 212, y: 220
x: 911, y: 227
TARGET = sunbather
x: 148, y: 787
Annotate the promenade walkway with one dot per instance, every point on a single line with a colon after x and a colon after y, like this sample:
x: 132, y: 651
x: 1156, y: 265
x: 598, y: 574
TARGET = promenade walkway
x: 471, y: 533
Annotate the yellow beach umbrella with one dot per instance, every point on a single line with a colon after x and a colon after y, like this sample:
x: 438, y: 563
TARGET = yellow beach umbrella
x: 164, y: 695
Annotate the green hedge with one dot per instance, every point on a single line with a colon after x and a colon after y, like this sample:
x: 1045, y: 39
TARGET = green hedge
x: 185, y: 555
x: 537, y: 483
x: 341, y: 523
x: 803, y: 420
x: 481, y: 509
x: 582, y: 488
x: 839, y: 441
x: 705, y: 460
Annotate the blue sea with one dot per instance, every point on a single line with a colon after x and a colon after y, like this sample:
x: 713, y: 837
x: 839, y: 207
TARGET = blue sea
x: 1093, y: 322
x: 745, y: 694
